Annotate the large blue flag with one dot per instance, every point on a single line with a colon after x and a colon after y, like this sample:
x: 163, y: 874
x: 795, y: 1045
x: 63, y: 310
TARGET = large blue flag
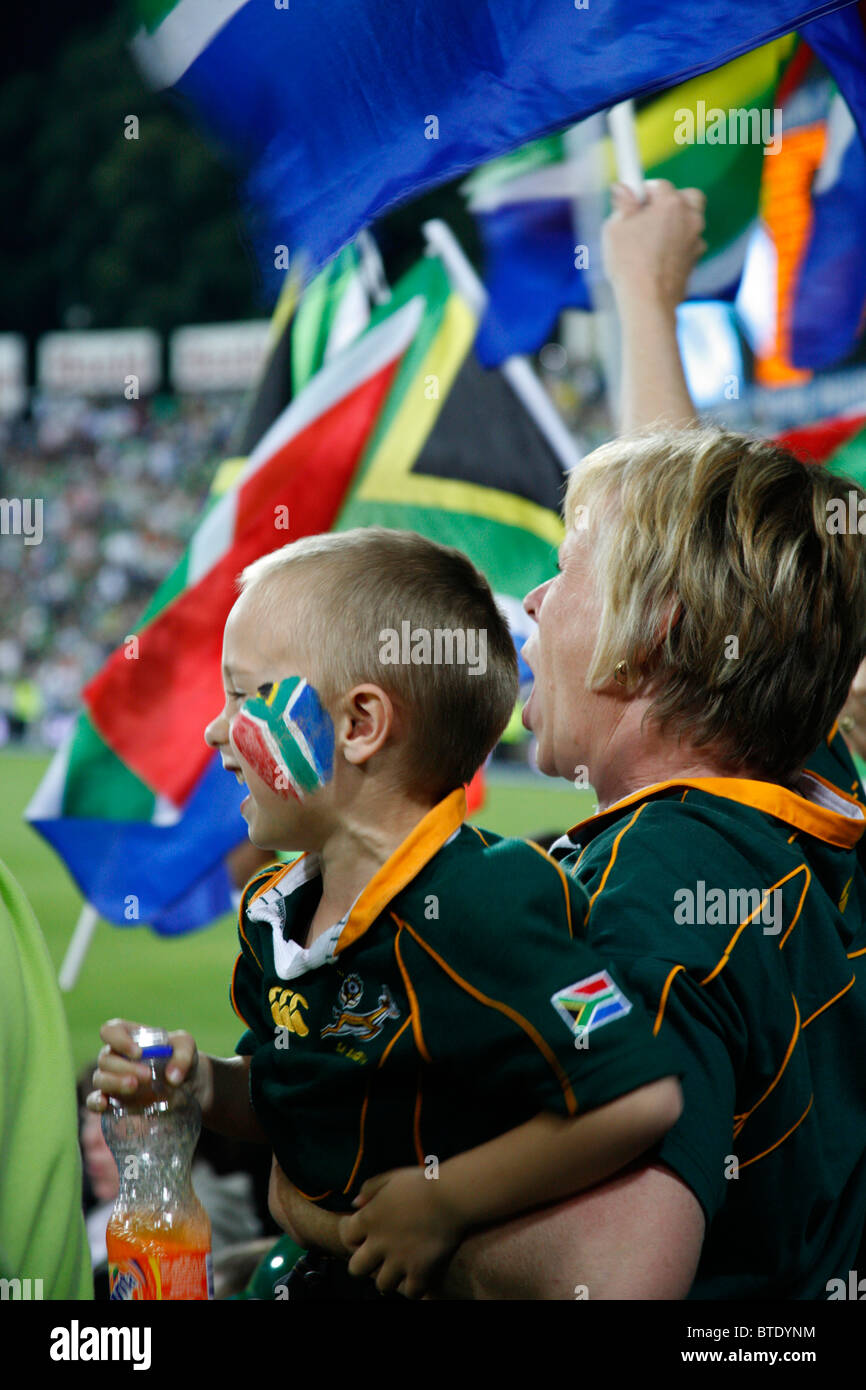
x: 337, y: 112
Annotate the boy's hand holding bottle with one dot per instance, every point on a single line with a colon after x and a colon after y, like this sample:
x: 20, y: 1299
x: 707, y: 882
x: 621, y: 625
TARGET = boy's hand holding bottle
x: 119, y: 1072
x: 158, y: 1237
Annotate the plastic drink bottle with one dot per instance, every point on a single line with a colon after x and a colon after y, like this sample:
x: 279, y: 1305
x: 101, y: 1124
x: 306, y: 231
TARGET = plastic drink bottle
x: 158, y: 1237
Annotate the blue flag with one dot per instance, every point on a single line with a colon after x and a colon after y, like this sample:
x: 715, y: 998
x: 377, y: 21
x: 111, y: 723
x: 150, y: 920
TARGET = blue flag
x: 337, y: 112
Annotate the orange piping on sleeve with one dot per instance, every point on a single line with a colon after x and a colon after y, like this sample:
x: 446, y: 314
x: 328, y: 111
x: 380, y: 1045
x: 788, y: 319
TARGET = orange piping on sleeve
x: 779, y: 1141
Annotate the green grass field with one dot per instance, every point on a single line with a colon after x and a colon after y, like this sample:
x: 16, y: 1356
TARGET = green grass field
x: 183, y: 982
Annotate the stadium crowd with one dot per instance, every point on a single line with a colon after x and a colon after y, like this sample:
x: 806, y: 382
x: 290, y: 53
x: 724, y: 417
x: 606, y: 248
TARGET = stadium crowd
x: 122, y: 487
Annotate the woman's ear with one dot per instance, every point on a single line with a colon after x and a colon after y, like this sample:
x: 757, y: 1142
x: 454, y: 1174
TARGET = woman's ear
x: 671, y: 616
x: 646, y: 654
x: 672, y: 612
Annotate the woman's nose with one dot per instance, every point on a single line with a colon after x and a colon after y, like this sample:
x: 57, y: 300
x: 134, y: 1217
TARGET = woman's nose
x: 532, y: 602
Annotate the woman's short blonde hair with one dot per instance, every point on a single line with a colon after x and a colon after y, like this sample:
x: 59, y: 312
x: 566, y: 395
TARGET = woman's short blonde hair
x: 724, y: 588
x: 342, y: 592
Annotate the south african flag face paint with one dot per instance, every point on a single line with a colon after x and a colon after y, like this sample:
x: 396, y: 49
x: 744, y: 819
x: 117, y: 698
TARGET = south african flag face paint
x: 286, y: 737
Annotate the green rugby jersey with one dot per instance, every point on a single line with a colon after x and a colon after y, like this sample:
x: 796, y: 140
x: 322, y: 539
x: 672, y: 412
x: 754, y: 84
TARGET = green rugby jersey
x: 454, y: 1002
x: 762, y: 995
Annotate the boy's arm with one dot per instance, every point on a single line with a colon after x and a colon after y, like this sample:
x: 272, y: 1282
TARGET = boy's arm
x: 551, y: 1156
x: 409, y: 1224
x: 306, y: 1223
x: 219, y: 1084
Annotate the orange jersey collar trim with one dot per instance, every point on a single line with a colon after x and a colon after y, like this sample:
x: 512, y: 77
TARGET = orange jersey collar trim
x: 775, y: 800
x: 408, y: 859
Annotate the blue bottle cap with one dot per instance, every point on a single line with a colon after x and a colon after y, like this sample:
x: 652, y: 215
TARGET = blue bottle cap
x: 153, y: 1042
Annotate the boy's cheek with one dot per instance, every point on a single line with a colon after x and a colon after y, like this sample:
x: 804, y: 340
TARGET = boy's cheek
x: 249, y: 743
x: 287, y: 738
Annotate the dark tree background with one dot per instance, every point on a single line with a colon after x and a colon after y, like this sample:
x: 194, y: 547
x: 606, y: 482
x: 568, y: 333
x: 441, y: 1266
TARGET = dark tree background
x: 98, y: 230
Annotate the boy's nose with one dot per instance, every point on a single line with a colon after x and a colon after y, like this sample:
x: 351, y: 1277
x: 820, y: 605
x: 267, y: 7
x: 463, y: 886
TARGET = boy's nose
x: 216, y: 732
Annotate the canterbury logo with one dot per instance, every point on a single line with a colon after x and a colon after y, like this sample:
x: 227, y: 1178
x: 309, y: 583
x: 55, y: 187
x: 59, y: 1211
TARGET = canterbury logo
x: 286, y: 1010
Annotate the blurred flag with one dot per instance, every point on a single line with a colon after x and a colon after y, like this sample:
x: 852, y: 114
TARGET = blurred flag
x: 778, y: 246
x: 839, y: 442
x: 803, y: 291
x: 839, y: 39
x: 336, y: 112
x: 829, y: 300
x: 137, y: 854
x: 803, y: 298
x: 534, y: 265
x: 527, y: 203
x: 400, y: 428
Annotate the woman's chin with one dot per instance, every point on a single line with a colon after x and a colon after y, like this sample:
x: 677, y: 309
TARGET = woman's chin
x: 543, y: 762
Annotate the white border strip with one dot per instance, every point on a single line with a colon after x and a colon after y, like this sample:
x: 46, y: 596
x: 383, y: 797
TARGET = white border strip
x: 166, y: 54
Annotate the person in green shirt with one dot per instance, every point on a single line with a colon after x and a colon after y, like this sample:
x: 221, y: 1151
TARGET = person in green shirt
x: 43, y: 1244
x: 423, y: 1024
x: 745, y: 910
x: 429, y: 1044
x: 690, y: 661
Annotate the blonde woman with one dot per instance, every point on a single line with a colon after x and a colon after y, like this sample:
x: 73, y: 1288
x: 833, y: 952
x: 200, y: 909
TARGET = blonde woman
x: 690, y: 658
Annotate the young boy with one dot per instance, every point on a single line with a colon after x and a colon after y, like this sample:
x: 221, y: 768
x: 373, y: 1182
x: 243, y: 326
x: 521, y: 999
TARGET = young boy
x: 420, y: 1010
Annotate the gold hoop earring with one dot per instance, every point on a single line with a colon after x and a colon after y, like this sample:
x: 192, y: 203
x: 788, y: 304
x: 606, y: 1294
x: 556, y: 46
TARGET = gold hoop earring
x: 620, y: 673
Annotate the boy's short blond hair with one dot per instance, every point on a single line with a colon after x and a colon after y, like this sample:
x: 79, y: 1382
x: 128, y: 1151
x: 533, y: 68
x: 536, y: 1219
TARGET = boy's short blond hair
x: 732, y: 537
x: 358, y: 585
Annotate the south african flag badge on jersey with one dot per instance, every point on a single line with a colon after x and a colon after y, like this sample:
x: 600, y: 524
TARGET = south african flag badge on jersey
x: 590, y: 1003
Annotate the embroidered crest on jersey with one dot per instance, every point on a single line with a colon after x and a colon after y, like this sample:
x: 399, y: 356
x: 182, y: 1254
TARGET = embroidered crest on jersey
x: 590, y: 1003
x: 350, y: 991
x: 364, y: 1026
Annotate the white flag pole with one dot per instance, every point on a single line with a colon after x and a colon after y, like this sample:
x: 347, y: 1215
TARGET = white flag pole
x: 372, y: 268
x: 78, y: 947
x: 623, y: 133
x: 629, y: 171
x: 585, y: 144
